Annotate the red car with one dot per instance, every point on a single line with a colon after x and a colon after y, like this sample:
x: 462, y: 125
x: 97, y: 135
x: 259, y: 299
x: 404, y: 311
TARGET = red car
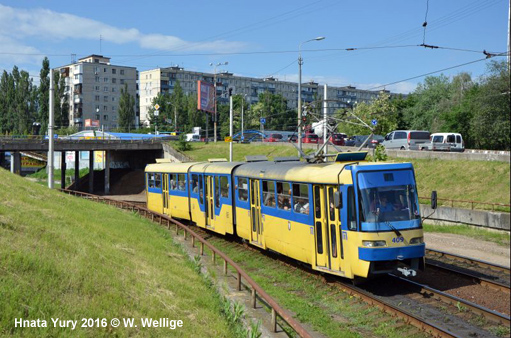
x: 274, y: 138
x: 337, y: 139
x: 310, y: 138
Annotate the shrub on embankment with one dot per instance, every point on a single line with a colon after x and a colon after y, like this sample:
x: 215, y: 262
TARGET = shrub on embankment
x: 68, y: 258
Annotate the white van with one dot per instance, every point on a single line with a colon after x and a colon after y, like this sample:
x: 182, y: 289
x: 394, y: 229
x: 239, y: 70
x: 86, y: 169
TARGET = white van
x: 407, y: 140
x: 455, y: 140
x: 192, y: 138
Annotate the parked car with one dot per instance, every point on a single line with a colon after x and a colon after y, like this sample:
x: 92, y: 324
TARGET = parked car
x: 407, y: 140
x: 358, y: 140
x: 337, y: 139
x: 292, y: 138
x: 274, y: 138
x: 310, y: 138
x: 447, y: 142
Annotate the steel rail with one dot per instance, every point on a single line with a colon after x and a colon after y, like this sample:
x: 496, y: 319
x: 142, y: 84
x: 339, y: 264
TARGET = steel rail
x: 453, y: 300
x: 480, y: 280
x: 276, y: 309
x: 408, y: 317
x: 469, y: 260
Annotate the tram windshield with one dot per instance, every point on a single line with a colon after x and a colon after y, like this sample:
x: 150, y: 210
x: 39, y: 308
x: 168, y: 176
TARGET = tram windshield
x: 388, y: 200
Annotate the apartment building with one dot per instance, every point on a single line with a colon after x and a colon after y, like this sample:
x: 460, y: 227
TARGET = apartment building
x: 93, y: 86
x: 163, y: 80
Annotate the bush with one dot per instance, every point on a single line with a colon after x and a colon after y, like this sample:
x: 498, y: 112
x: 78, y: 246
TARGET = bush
x: 182, y: 144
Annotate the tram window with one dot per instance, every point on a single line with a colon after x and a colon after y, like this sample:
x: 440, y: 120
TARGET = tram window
x: 319, y: 237
x: 173, y: 181
x: 157, y: 181
x: 352, y: 216
x: 284, y: 195
x: 242, y: 189
x: 317, y: 202
x: 334, y: 240
x: 301, y: 198
x: 200, y: 186
x: 194, y: 184
x: 217, y: 192
x: 269, y: 193
x: 181, y: 185
x: 224, y: 187
x: 331, y: 206
x: 150, y: 180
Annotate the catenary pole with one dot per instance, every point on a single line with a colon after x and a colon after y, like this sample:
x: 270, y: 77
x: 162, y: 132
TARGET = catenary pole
x: 51, y: 154
x: 230, y: 124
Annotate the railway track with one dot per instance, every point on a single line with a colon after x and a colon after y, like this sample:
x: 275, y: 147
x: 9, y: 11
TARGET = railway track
x: 429, y: 325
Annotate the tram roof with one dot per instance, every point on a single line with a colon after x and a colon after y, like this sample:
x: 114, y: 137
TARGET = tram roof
x: 175, y: 167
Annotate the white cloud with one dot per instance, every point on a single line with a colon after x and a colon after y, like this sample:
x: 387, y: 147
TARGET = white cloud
x: 49, y: 25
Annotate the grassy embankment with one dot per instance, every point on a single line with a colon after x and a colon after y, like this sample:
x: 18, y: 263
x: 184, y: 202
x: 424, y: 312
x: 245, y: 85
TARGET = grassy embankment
x: 68, y: 258
x: 41, y: 176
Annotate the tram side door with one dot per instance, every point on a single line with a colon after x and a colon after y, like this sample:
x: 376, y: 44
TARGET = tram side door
x: 320, y: 228
x: 210, y: 201
x: 335, y: 245
x: 255, y: 212
x: 165, y: 194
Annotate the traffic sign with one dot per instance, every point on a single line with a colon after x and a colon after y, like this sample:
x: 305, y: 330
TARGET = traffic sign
x: 156, y: 112
x: 156, y: 106
x: 228, y: 139
x: 262, y: 120
x: 374, y: 122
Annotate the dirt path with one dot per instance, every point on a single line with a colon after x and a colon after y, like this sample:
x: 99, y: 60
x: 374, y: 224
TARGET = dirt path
x: 470, y: 247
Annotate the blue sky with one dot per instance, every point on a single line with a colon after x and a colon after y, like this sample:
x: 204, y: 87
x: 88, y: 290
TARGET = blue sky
x: 261, y: 38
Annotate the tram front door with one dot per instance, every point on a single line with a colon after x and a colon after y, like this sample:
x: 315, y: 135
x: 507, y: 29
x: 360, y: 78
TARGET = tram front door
x: 255, y: 213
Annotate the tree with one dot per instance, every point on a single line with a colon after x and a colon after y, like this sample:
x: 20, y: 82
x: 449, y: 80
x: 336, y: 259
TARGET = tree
x: 382, y: 110
x: 490, y: 126
x: 126, y: 110
x: 44, y: 95
x: 60, y: 102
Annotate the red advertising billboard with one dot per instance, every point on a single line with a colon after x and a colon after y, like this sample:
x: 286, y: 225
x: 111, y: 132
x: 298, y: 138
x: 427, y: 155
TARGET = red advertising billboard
x: 91, y: 123
x: 206, y: 99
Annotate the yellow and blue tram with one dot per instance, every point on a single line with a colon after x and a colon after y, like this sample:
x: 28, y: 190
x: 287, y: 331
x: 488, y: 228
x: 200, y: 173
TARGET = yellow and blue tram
x: 348, y: 217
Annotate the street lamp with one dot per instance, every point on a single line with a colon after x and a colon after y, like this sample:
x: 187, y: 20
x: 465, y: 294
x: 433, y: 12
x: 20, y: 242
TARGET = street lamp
x: 300, y: 63
x: 214, y: 77
x: 242, y: 110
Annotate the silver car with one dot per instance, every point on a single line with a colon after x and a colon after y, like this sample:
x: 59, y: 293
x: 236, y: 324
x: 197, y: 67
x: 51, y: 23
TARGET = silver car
x: 407, y: 140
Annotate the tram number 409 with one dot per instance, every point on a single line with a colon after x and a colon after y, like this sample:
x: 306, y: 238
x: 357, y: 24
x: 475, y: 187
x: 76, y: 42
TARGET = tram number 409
x: 398, y: 239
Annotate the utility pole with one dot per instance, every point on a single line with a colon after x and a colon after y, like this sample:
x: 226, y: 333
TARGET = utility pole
x: 509, y: 38
x: 51, y: 154
x: 325, y: 119
x: 230, y: 123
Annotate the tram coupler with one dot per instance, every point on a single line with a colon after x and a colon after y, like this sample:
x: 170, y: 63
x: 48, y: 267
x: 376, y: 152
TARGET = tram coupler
x: 407, y: 272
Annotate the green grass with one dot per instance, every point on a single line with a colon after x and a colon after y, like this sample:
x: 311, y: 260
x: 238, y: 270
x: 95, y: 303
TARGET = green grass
x: 487, y: 182
x: 499, y: 237
x: 321, y: 305
x: 64, y: 257
x: 42, y: 176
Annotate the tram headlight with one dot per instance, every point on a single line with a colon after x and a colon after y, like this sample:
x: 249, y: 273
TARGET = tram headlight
x: 374, y: 244
x: 417, y: 240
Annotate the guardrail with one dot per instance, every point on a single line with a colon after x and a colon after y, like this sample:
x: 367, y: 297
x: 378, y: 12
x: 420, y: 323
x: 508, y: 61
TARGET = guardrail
x: 276, y: 309
x: 504, y: 207
x: 69, y: 139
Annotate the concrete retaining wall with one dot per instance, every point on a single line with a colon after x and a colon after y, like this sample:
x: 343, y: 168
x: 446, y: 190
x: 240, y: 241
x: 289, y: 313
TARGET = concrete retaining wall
x: 485, y: 219
x: 174, y: 155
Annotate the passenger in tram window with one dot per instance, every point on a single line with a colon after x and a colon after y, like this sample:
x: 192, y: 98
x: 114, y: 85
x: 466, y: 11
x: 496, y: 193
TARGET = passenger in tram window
x: 270, y: 201
x: 195, y: 187
x: 381, y: 205
x: 305, y: 209
x: 284, y: 202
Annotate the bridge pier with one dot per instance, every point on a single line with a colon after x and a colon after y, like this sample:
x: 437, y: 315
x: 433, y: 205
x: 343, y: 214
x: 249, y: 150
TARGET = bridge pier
x: 77, y: 169
x: 16, y: 162
x: 91, y: 171
x: 62, y: 170
x: 107, y: 155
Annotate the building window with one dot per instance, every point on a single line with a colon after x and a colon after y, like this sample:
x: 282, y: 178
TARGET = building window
x: 113, y: 108
x: 105, y: 79
x: 113, y: 90
x: 96, y: 79
x: 105, y: 108
x: 97, y: 98
x: 97, y: 116
x: 114, y: 71
x: 104, y: 70
x: 105, y: 117
x: 113, y: 98
x: 114, y: 80
x: 105, y: 89
x: 122, y: 71
x: 105, y: 98
x: 97, y: 88
x: 121, y: 81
